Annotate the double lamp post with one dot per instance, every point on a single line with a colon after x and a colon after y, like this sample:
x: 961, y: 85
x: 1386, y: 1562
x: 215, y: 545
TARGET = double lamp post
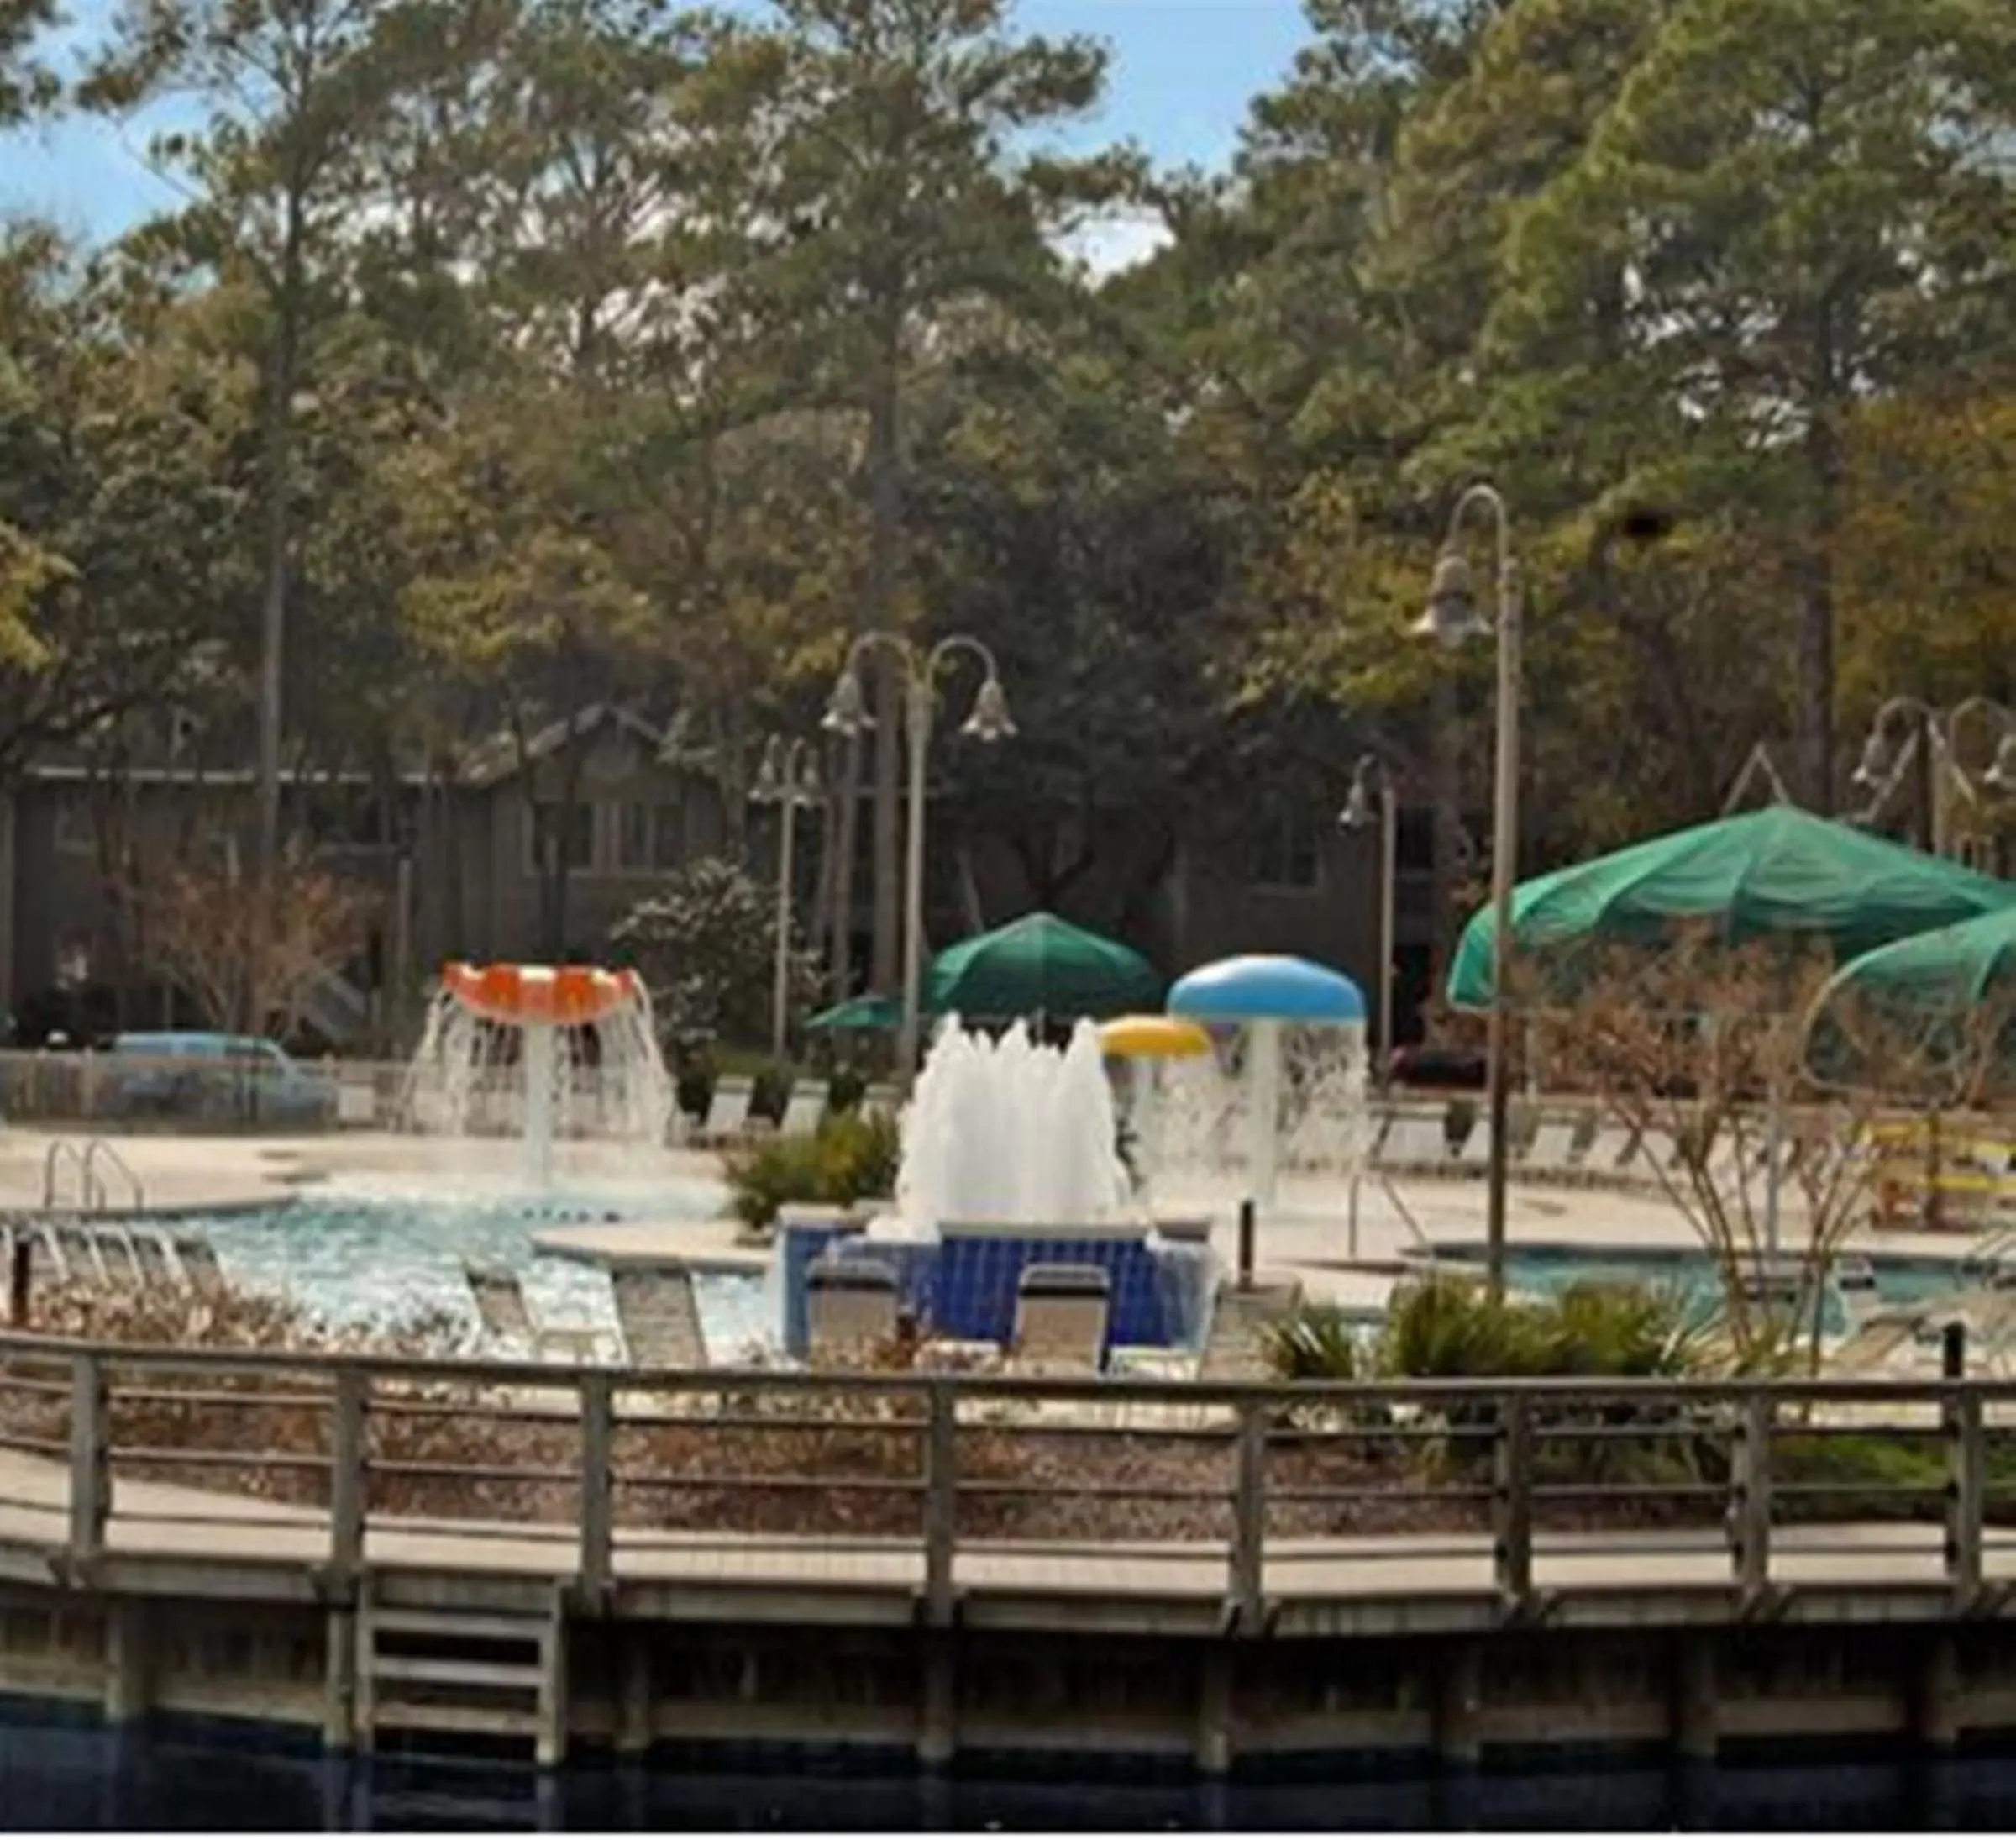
x: 847, y: 715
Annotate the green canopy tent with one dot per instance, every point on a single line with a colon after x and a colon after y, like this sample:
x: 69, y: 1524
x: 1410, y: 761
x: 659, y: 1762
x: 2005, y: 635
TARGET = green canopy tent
x: 1948, y: 971
x: 1040, y: 965
x: 1778, y: 872
x: 1929, y: 992
x: 861, y: 1013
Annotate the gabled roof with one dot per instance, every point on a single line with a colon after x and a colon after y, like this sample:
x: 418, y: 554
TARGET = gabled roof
x: 491, y: 762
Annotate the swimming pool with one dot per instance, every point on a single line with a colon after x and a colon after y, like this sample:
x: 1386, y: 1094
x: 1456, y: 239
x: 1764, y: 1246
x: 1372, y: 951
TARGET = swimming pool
x: 1689, y: 1272
x: 359, y: 1254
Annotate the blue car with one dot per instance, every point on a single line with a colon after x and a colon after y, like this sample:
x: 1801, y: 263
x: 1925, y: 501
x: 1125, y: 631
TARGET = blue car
x: 243, y: 1077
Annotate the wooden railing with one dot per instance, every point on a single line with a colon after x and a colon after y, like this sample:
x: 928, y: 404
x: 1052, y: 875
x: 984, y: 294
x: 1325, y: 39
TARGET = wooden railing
x: 584, y: 1466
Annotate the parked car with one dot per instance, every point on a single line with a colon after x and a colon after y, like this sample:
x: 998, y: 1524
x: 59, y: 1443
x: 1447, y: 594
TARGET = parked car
x: 241, y: 1078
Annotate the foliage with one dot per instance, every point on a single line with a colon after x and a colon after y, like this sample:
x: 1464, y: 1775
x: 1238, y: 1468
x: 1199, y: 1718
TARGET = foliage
x: 1319, y: 1342
x: 853, y: 1156
x: 1445, y: 1326
x: 706, y: 947
x: 249, y: 947
x: 495, y: 361
x: 1697, y: 1049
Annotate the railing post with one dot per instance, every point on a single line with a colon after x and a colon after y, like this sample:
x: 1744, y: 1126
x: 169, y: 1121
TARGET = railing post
x: 1750, y: 1495
x: 1249, y: 1518
x: 1512, y: 1498
x: 941, y: 1500
x: 346, y: 1474
x: 90, y: 1473
x: 598, y: 1483
x: 1966, y: 1492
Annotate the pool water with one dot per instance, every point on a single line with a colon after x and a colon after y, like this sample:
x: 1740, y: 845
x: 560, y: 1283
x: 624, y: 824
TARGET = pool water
x: 358, y: 1256
x: 1692, y: 1274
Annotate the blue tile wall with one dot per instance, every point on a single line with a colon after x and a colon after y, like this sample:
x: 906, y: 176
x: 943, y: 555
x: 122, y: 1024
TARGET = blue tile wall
x: 797, y: 1246
x: 966, y: 1287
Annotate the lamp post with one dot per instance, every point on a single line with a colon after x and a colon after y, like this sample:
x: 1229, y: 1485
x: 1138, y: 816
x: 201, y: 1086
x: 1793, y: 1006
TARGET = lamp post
x: 788, y: 779
x: 847, y: 714
x: 1374, y: 779
x: 1453, y: 618
x: 1938, y: 735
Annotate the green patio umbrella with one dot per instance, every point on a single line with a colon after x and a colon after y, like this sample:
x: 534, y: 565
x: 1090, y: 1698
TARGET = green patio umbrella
x: 1041, y: 964
x: 1948, y: 971
x: 1780, y: 872
x: 1936, y: 994
x: 863, y: 1012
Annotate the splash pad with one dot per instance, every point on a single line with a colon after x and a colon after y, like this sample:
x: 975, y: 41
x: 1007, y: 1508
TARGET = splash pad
x: 1283, y: 1092
x: 553, y: 1051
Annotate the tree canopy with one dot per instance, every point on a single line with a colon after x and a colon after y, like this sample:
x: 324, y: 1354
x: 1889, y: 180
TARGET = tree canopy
x: 505, y: 358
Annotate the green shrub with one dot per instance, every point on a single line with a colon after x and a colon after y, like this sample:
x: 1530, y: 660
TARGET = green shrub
x: 695, y: 1074
x: 1445, y: 1326
x: 851, y: 1157
x: 770, y: 1091
x: 1319, y: 1342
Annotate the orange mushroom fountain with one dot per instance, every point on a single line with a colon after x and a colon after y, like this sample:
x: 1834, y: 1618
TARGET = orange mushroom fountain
x: 579, y: 1037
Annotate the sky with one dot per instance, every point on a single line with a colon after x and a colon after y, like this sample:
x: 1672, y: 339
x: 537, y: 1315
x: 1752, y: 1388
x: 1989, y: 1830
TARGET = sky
x: 1183, y: 73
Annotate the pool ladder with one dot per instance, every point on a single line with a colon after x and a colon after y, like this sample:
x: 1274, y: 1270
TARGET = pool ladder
x: 92, y: 1197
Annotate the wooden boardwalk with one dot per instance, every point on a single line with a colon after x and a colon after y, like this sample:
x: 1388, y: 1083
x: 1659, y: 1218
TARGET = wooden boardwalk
x: 253, y: 1547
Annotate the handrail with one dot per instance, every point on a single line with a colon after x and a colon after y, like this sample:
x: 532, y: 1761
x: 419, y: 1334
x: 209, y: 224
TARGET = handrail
x: 94, y: 1185
x: 1505, y: 1425
x: 52, y: 1161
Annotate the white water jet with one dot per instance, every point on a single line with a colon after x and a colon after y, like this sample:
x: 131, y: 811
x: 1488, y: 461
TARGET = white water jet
x: 489, y: 1065
x: 1010, y: 1132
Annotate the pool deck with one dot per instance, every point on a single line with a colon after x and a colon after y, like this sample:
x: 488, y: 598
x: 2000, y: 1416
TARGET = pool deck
x: 1308, y: 1240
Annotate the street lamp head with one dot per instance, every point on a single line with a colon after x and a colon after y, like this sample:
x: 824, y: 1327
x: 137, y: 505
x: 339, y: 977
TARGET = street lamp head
x: 811, y: 788
x: 2002, y: 775
x: 1873, y: 771
x: 1357, y: 807
x: 1452, y: 617
x: 770, y: 774
x: 846, y: 709
x: 989, y: 720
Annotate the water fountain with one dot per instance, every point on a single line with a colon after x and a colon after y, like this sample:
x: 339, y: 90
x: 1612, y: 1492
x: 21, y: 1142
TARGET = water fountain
x: 1011, y: 1132
x: 553, y: 1051
x: 1010, y: 1161
x: 1283, y: 1093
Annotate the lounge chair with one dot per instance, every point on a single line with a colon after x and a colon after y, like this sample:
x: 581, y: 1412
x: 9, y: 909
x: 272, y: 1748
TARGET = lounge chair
x: 1413, y: 1140
x: 1061, y: 1313
x: 82, y: 1258
x: 886, y: 1099
x: 160, y: 1269
x: 660, y: 1318
x: 198, y: 1260
x: 728, y: 1111
x: 1652, y: 1158
x: 1873, y: 1343
x: 1604, y: 1160
x: 1471, y: 1152
x: 803, y: 1111
x: 500, y: 1301
x: 1236, y: 1348
x: 850, y: 1305
x: 1551, y: 1156
x: 120, y: 1252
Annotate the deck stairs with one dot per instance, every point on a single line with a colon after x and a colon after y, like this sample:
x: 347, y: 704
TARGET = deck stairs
x: 464, y: 1673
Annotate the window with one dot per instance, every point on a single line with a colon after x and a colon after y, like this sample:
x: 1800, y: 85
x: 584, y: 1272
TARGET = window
x: 650, y: 837
x: 1285, y: 852
x: 542, y: 826
x: 76, y: 835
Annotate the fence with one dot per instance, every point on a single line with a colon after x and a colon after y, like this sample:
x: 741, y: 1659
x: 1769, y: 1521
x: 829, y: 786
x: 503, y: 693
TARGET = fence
x: 574, y: 1472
